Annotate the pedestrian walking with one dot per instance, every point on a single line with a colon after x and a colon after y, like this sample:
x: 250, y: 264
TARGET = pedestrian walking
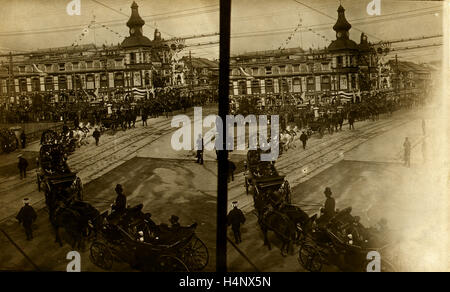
x: 22, y: 165
x: 231, y: 170
x: 235, y: 218
x: 304, y: 138
x: 199, y: 149
x: 144, y: 116
x: 407, y: 152
x: 23, y: 139
x: 96, y: 136
x: 26, y: 217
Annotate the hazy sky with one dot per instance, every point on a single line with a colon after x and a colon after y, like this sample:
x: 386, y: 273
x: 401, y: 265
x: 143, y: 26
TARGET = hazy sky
x: 269, y: 23
x: 19, y: 18
x: 256, y: 24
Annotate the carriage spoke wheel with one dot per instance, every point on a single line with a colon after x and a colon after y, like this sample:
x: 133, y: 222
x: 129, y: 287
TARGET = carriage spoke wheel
x: 168, y: 263
x: 101, y: 256
x: 310, y: 258
x: 195, y: 254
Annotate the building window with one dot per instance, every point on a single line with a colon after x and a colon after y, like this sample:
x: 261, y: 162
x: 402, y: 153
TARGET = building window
x: 296, y: 85
x: 339, y: 61
x: 35, y: 84
x: 256, y: 88
x: 255, y: 71
x: 268, y: 70
x: 62, y: 67
x: 62, y: 83
x: 89, y: 64
x: 75, y: 65
x: 282, y: 69
x: 310, y: 84
x: 132, y: 58
x: 326, y: 83
x: 103, y: 81
x: 242, y: 87
x: 90, y: 81
x: 49, y: 83
x: 284, y: 87
x: 269, y: 86
x: 118, y: 79
x: 55, y: 67
x: 23, y: 85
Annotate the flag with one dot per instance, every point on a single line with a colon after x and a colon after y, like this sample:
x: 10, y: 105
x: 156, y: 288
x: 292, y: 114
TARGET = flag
x: 38, y: 71
x: 245, y: 73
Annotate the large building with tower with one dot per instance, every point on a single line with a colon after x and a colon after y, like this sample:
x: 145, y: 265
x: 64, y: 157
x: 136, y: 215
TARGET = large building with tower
x: 75, y: 71
x: 344, y: 67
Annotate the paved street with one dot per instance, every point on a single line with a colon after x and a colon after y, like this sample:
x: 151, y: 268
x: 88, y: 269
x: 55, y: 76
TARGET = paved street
x: 365, y: 171
x: 141, y: 159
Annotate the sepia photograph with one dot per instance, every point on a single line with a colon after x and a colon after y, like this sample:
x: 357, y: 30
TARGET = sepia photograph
x: 241, y: 136
x: 359, y: 182
x: 89, y: 95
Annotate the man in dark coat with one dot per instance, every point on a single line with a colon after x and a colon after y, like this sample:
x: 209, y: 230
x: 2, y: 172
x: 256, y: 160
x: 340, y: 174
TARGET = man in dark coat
x: 144, y: 116
x: 22, y: 165
x: 235, y: 218
x: 303, y: 138
x: 23, y: 139
x: 200, y: 149
x: 175, y: 225
x: 231, y: 170
x: 121, y: 200
x: 26, y: 217
x: 330, y: 205
x: 96, y: 136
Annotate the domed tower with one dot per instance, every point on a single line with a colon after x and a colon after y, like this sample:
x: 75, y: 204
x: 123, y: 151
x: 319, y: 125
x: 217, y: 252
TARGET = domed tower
x: 344, y: 54
x: 137, y: 49
x: 135, y: 24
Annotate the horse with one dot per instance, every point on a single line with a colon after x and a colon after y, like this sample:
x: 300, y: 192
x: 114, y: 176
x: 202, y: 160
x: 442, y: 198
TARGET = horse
x: 78, y: 219
x: 288, y: 222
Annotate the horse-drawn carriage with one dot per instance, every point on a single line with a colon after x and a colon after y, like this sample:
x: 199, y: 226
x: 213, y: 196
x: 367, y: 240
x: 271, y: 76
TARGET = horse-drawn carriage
x: 272, y: 201
x: 344, y: 243
x: 134, y: 239
x: 8, y: 141
x: 54, y: 176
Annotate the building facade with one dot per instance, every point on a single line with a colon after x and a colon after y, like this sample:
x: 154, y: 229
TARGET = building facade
x: 343, y: 67
x: 87, y: 70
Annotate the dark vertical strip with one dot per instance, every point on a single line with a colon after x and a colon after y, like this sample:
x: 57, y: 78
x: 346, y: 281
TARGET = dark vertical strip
x: 222, y: 192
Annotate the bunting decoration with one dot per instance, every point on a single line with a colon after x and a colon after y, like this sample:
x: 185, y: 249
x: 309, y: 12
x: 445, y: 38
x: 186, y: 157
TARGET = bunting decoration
x: 112, y: 31
x: 84, y: 32
x: 286, y: 42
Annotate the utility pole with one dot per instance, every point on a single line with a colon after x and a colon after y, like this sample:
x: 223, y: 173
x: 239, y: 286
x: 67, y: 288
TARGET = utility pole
x: 11, y: 76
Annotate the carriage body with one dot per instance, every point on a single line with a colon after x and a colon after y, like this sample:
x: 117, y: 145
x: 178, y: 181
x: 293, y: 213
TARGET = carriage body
x: 332, y: 244
x: 55, y: 178
x: 166, y: 251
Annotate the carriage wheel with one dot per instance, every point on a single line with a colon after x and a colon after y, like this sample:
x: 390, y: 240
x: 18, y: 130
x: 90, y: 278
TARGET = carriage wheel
x: 195, y: 254
x: 310, y: 258
x: 101, y: 256
x: 169, y: 263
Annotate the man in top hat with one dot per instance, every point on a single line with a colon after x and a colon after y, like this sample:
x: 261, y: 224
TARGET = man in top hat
x: 200, y: 149
x: 235, y: 218
x: 304, y: 138
x: 96, y: 136
x: 175, y: 225
x: 328, y: 210
x: 22, y: 165
x: 26, y: 217
x: 121, y: 200
x: 330, y: 204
